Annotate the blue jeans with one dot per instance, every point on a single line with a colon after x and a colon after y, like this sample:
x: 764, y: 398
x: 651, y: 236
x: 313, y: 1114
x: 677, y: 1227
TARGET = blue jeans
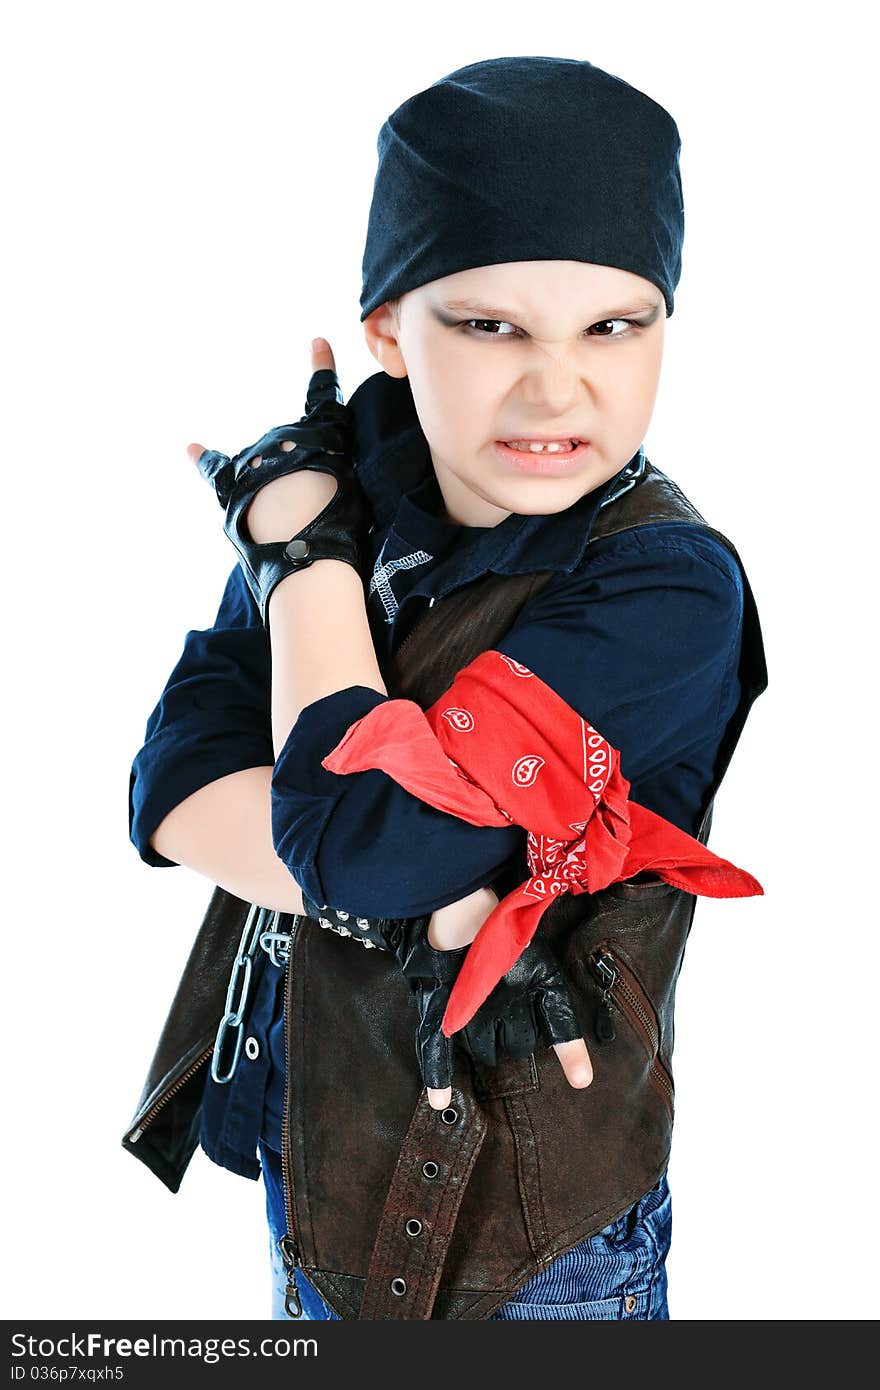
x: 619, y: 1273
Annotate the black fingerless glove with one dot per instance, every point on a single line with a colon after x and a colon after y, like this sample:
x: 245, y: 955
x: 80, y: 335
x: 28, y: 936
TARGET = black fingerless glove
x: 529, y: 1006
x: 323, y: 439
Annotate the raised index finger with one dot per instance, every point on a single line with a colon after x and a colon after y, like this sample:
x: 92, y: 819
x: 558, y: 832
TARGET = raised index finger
x: 324, y: 385
x: 322, y: 355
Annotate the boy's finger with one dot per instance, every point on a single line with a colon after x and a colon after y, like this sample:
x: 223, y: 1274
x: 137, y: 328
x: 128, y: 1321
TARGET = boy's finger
x: 322, y: 354
x: 575, y: 1061
x: 324, y: 386
x: 439, y: 1099
x: 195, y: 451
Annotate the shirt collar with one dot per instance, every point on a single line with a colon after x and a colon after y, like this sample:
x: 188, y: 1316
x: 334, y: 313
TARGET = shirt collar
x: 392, y: 457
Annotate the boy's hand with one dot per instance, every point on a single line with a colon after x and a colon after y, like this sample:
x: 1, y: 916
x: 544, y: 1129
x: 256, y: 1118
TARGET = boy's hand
x: 283, y: 507
x: 529, y: 1007
x: 293, y: 498
x: 493, y: 1025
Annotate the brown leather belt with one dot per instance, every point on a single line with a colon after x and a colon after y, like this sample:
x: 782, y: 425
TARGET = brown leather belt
x: 436, y: 1160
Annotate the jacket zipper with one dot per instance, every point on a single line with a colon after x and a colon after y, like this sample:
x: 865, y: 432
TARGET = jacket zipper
x: 620, y: 987
x: 415, y: 628
x: 288, y: 1245
x: 163, y: 1099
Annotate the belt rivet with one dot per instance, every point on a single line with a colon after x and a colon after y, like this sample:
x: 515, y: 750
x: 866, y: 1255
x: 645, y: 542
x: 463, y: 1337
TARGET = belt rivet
x: 398, y: 1286
x: 449, y: 1115
x: 413, y: 1226
x: 430, y: 1169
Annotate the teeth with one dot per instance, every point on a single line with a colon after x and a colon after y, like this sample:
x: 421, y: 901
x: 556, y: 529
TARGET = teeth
x: 533, y: 447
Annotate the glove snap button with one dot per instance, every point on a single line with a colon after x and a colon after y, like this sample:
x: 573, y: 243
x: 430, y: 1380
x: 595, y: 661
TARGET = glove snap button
x: 297, y: 549
x: 430, y: 1169
x: 449, y: 1115
x: 398, y: 1286
x: 413, y: 1226
x: 252, y: 1048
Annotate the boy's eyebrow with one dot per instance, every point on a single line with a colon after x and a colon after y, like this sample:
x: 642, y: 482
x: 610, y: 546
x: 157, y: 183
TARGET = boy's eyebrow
x: 509, y: 315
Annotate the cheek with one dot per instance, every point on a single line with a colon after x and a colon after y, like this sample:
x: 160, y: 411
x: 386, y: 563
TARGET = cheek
x: 463, y: 410
x: 634, y: 386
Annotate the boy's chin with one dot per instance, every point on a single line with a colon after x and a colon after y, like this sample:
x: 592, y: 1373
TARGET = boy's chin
x: 540, y: 496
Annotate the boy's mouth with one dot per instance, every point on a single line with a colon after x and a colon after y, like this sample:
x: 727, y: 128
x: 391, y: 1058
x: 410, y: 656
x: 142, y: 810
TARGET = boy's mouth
x: 541, y: 456
x: 542, y: 446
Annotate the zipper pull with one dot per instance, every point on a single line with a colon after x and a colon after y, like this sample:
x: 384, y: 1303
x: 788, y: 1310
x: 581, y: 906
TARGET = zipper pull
x: 290, y: 1256
x: 606, y: 973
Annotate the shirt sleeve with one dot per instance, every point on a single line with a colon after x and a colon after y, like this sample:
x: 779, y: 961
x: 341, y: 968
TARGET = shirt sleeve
x: 646, y: 646
x: 642, y: 641
x: 362, y: 842
x: 213, y: 717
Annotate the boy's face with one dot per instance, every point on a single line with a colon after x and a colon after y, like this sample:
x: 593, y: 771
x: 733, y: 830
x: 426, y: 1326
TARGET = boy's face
x: 540, y: 349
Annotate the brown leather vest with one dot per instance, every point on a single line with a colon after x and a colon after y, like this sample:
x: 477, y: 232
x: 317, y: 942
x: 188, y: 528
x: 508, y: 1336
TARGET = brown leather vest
x: 522, y: 1166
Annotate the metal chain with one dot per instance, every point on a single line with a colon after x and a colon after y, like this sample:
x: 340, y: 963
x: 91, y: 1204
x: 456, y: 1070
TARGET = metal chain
x: 232, y: 1021
x: 276, y: 944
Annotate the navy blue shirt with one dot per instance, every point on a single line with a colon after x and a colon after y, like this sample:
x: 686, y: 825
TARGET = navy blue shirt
x: 640, y: 634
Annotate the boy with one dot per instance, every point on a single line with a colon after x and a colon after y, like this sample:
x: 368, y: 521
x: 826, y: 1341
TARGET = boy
x: 640, y: 632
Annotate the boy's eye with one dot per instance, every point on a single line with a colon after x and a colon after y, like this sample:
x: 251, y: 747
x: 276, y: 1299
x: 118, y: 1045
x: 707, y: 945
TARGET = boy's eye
x: 496, y: 324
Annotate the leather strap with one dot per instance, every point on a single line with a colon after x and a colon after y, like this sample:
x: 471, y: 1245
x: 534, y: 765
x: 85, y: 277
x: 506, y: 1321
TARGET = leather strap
x: 406, y: 1264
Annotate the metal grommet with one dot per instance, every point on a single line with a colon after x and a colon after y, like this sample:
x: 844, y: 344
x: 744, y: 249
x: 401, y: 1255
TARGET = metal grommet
x: 630, y: 1304
x: 252, y: 1048
x: 413, y: 1226
x: 449, y: 1115
x: 398, y: 1286
x: 430, y: 1169
x: 297, y: 549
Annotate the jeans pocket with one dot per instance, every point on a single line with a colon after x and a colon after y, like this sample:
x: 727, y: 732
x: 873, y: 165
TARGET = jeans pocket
x: 618, y: 1273
x: 632, y: 1305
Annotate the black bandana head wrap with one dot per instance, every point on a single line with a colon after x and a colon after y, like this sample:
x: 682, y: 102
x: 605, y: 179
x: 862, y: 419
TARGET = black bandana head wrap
x: 524, y: 159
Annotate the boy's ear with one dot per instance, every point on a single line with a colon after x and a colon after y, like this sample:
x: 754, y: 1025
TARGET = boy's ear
x: 380, y: 332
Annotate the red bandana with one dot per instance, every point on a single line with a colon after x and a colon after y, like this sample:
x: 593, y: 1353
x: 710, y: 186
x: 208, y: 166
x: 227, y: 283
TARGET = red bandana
x: 501, y: 747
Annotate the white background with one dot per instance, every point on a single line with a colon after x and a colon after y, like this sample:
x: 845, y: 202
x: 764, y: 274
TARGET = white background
x: 187, y: 188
